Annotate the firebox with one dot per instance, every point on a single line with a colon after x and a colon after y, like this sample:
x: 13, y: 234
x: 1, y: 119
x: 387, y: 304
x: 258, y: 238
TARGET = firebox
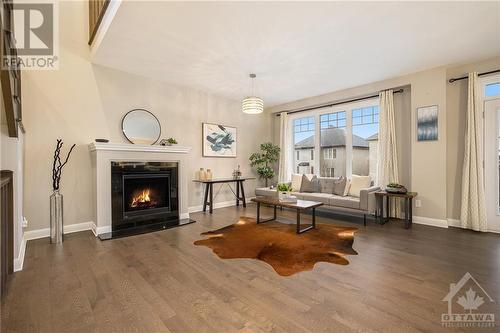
x: 143, y: 194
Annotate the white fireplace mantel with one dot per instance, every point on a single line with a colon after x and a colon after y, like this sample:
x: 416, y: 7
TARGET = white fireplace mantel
x: 104, y: 153
x: 98, y: 146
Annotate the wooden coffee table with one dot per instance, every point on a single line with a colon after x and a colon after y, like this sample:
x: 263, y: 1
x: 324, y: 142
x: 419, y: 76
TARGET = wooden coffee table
x: 300, y: 206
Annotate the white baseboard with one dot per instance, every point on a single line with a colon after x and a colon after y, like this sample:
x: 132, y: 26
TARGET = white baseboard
x: 19, y: 261
x: 430, y: 221
x: 454, y: 223
x: 458, y: 224
x: 222, y: 204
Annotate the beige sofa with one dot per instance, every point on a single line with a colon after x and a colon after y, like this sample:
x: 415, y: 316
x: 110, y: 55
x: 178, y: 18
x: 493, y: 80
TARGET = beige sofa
x: 365, y: 204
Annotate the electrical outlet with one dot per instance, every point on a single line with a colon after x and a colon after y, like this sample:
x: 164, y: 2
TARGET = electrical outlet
x: 25, y: 222
x: 418, y: 203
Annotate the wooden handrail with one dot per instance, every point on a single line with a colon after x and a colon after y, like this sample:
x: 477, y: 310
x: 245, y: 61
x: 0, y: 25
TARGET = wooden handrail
x: 97, y: 8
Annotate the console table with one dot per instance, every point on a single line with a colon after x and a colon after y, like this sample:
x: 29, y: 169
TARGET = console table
x: 209, y: 192
x: 379, y: 212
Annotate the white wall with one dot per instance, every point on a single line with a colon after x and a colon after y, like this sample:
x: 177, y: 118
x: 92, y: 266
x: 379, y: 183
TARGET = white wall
x: 81, y: 102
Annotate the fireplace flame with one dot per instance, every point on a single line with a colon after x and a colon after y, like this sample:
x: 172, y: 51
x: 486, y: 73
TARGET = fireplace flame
x: 142, y: 200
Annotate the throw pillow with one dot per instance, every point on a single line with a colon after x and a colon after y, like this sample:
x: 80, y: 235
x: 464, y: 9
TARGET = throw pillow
x: 296, y: 182
x: 309, y: 185
x: 339, y: 186
x: 326, y: 184
x: 358, y: 183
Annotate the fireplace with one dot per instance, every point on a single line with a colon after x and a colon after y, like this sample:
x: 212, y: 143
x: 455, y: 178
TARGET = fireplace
x: 144, y: 195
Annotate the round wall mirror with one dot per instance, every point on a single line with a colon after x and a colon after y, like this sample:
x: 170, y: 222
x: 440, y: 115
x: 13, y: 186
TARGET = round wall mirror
x: 141, y: 127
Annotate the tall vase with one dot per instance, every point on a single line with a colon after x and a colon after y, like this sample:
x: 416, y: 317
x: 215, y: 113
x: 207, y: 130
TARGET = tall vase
x: 56, y: 217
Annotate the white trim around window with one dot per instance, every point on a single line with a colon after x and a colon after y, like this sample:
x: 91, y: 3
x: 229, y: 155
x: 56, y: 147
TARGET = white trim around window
x: 348, y: 107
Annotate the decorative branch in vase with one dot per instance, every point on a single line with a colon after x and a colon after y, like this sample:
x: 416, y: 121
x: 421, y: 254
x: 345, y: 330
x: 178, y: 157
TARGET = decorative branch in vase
x: 56, y: 199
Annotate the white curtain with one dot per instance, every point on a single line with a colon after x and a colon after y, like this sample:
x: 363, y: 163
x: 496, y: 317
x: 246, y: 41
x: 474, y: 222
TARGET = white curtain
x: 284, y: 174
x: 473, y: 214
x: 387, y: 159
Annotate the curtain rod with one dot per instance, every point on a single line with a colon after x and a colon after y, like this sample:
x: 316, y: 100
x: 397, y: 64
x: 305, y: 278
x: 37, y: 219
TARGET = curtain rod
x: 480, y: 74
x: 334, y: 103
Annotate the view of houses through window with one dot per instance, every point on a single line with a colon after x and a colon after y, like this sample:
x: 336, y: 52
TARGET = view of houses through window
x: 347, y: 143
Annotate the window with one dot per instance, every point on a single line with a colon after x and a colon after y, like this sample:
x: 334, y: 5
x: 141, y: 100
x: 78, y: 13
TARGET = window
x: 329, y: 153
x: 365, y: 140
x: 333, y: 144
x: 492, y: 89
x: 303, y: 141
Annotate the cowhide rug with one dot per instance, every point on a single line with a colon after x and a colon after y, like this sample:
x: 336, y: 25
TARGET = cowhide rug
x: 278, y: 245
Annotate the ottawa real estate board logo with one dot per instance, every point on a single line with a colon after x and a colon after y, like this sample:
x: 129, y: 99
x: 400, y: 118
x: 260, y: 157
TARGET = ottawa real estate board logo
x: 32, y: 39
x: 469, y: 305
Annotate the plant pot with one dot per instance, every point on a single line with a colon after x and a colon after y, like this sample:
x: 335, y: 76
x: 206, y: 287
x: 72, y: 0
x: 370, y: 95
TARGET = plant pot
x: 56, y: 218
x: 283, y: 195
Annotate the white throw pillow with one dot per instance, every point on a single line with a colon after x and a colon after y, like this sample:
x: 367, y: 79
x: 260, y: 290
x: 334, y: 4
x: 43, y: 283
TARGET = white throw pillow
x: 358, y: 183
x: 296, y: 182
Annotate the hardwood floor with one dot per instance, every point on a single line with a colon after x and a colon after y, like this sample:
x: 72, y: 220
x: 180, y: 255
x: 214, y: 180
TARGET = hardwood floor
x: 161, y: 282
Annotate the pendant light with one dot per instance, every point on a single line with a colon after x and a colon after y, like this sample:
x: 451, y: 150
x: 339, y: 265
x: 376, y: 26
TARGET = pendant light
x: 252, y: 104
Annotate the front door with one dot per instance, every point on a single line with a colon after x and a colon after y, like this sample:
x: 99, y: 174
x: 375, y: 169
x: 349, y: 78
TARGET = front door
x: 491, y: 162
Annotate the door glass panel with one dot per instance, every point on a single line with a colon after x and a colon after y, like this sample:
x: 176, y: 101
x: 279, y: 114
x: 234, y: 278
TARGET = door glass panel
x: 364, y: 141
x: 303, y: 141
x: 333, y: 144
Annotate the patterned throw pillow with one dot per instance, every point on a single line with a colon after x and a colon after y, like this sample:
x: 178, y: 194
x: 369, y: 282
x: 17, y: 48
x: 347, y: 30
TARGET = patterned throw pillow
x: 339, y: 186
x: 296, y: 182
x: 309, y: 185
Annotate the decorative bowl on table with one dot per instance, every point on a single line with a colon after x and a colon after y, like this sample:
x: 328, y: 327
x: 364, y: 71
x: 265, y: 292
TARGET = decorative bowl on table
x: 395, y: 188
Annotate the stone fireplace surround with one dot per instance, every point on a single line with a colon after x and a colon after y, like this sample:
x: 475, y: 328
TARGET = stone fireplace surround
x: 105, y: 153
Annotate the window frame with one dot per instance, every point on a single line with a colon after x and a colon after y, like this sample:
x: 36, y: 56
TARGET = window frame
x: 316, y: 114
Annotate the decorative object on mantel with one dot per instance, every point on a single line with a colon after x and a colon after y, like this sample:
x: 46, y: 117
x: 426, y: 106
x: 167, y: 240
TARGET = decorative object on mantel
x: 102, y: 140
x: 168, y: 142
x: 219, y: 140
x: 265, y: 159
x: 252, y: 104
x: 56, y: 198
x: 395, y: 188
x: 427, y: 123
x: 141, y: 127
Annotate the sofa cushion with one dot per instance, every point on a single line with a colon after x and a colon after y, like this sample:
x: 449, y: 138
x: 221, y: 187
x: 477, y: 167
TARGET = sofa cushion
x: 326, y: 184
x: 321, y: 197
x: 345, y: 202
x: 309, y: 185
x: 358, y: 183
x: 266, y: 192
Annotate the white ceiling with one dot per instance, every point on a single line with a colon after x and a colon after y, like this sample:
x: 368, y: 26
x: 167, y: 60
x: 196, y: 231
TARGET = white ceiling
x: 297, y: 49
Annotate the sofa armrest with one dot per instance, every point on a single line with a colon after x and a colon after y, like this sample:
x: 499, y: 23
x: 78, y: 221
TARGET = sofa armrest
x: 367, y: 198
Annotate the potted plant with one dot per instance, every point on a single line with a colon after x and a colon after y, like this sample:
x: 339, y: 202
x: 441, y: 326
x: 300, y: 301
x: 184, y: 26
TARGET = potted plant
x: 168, y: 142
x: 264, y: 160
x: 284, y: 190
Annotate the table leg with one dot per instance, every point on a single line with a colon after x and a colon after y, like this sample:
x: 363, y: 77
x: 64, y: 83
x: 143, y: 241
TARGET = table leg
x: 237, y: 193
x: 211, y: 198
x: 387, y: 208
x: 274, y: 215
x: 376, y: 207
x: 205, y: 200
x: 314, y: 217
x: 258, y: 212
x: 243, y: 194
x: 298, y: 221
x: 410, y: 219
